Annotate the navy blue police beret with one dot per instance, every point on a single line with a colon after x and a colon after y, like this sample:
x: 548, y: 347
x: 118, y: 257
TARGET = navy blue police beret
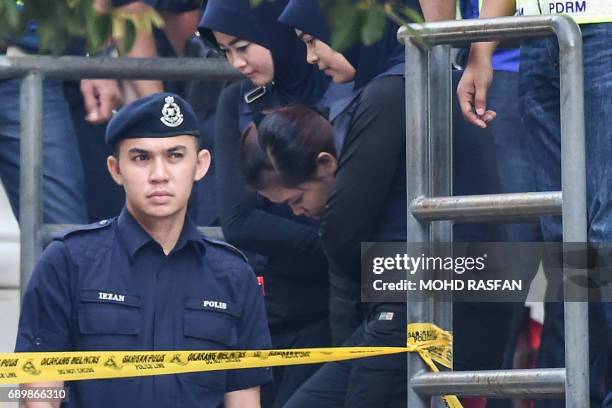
x: 157, y: 115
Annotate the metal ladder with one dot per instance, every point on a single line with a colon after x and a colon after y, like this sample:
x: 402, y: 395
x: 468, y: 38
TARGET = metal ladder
x: 429, y: 179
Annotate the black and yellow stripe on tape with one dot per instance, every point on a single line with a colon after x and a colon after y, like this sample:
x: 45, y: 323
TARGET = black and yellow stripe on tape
x: 433, y: 344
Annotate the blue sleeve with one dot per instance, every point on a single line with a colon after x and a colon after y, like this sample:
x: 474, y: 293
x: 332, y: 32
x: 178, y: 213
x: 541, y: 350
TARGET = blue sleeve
x: 253, y: 334
x: 44, y: 323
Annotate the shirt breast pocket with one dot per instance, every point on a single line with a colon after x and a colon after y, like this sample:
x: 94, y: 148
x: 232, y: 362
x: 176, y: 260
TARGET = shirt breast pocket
x: 212, y: 327
x: 108, y: 321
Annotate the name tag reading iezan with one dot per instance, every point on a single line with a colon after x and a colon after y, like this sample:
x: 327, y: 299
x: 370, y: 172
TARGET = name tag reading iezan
x: 111, y: 296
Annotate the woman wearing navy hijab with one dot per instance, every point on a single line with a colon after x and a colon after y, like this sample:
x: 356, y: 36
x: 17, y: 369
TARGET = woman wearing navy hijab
x: 367, y: 202
x: 289, y: 258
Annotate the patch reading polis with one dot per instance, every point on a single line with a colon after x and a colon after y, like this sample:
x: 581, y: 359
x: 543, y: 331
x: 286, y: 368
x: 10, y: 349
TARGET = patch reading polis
x: 385, y: 316
x: 213, y: 304
x: 171, y: 113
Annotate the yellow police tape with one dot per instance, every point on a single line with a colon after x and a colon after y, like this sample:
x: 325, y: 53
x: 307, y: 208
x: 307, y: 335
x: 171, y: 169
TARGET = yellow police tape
x: 433, y: 344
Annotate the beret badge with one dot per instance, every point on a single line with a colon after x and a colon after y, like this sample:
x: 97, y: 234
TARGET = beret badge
x: 171, y: 113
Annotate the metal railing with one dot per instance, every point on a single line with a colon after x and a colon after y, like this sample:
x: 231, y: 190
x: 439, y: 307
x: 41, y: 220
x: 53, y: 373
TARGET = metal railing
x: 33, y: 70
x: 429, y: 175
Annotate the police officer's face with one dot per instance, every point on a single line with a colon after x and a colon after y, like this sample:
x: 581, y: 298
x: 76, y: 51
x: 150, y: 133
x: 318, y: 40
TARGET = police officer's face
x: 158, y: 174
x: 331, y: 62
x: 251, y: 59
x: 310, y: 197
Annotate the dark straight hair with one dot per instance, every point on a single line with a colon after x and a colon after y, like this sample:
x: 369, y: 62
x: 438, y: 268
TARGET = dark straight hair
x: 257, y: 170
x: 290, y: 139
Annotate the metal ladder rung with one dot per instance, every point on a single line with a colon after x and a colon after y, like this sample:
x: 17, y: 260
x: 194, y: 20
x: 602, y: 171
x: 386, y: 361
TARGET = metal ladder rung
x: 490, y: 207
x: 530, y: 383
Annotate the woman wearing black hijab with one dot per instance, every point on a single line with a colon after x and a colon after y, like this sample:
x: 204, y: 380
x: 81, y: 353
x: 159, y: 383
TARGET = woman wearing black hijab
x: 367, y: 202
x: 290, y: 260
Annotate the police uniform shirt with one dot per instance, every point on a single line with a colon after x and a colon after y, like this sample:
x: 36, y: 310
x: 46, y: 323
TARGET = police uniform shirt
x: 109, y: 286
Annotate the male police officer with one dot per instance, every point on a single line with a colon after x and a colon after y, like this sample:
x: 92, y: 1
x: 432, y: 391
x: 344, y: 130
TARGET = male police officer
x: 147, y: 280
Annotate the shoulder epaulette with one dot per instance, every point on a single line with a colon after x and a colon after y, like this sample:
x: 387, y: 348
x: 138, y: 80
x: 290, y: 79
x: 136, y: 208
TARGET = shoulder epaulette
x: 227, y: 246
x: 61, y: 235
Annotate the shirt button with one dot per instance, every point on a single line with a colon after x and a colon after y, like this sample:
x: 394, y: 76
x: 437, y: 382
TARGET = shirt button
x: 103, y: 222
x: 37, y: 341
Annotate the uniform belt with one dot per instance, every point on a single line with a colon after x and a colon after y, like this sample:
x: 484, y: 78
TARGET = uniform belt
x: 582, y: 11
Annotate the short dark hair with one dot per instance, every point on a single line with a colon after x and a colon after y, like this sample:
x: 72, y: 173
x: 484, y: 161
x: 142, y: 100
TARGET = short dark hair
x: 290, y: 138
x: 115, y: 149
x: 257, y: 170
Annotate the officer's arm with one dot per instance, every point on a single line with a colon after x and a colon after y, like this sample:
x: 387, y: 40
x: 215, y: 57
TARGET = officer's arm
x: 44, y: 322
x: 478, y: 75
x: 436, y: 10
x: 144, y: 47
x: 42, y: 404
x: 242, y: 386
x: 248, y: 398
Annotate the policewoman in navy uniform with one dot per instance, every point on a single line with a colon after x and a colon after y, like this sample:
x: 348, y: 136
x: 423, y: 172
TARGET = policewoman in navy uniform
x: 148, y: 280
x: 284, y: 248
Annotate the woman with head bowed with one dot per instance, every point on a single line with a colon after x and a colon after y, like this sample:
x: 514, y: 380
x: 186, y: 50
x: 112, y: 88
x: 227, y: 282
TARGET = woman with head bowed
x: 357, y: 188
x: 368, y: 201
x: 365, y: 204
x: 350, y: 176
x: 284, y: 249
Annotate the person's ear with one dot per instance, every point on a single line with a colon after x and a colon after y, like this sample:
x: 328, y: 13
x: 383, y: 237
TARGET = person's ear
x: 326, y: 164
x: 202, y: 164
x: 112, y: 164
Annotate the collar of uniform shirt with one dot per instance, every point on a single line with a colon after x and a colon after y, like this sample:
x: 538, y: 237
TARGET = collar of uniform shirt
x: 135, y: 237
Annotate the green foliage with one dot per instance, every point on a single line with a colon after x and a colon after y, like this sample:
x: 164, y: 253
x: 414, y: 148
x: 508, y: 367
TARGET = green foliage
x: 374, y: 25
x: 130, y: 34
x: 367, y: 21
x: 345, y: 21
x: 9, y: 17
x: 361, y: 20
x: 61, y: 21
x: 125, y: 25
x: 101, y: 29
